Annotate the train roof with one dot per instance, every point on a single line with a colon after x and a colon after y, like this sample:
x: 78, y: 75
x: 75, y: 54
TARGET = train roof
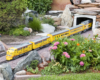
x: 40, y: 39
x: 22, y: 45
x: 58, y: 32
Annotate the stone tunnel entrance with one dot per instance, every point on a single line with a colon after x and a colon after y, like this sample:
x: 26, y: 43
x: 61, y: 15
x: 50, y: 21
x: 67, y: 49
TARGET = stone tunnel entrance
x: 79, y: 18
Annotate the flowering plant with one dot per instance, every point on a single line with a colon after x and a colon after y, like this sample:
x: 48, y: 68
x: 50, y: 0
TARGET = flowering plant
x: 77, y: 53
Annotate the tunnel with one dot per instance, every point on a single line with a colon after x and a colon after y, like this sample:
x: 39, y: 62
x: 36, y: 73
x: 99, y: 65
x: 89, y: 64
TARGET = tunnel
x: 80, y: 18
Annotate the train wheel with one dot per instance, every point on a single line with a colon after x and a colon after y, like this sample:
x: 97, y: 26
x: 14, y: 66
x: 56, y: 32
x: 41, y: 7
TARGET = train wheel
x: 15, y: 57
x: 84, y: 31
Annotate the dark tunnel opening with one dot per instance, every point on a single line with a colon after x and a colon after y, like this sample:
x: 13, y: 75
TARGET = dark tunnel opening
x: 80, y: 19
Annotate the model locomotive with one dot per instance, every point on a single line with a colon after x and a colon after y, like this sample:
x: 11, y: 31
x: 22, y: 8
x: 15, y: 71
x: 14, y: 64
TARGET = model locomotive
x: 23, y: 48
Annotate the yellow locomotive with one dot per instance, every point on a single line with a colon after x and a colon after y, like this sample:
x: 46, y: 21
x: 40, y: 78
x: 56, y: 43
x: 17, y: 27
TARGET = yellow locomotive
x: 23, y: 48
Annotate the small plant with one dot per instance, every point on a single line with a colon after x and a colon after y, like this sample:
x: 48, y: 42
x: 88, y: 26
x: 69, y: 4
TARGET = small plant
x: 35, y: 24
x: 49, y: 21
x: 30, y: 69
x: 34, y: 64
x: 54, y: 68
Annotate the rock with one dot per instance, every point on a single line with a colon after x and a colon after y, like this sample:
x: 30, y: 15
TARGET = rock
x: 85, y: 1
x: 3, y: 47
x: 33, y: 55
x: 97, y: 0
x: 6, y: 71
x: 52, y: 57
x: 57, y: 21
x: 1, y: 77
x: 28, y: 29
x: 96, y: 31
x: 47, y: 28
x: 22, y: 72
x: 44, y: 61
x: 83, y: 11
x: 66, y: 18
x: 62, y: 27
x: 41, y: 65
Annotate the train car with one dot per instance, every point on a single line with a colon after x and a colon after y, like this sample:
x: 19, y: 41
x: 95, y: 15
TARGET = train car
x: 40, y: 42
x: 18, y: 50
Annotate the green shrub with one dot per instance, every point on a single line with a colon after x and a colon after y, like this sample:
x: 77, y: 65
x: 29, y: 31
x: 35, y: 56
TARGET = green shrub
x: 78, y: 54
x: 34, y: 64
x: 41, y: 6
x: 50, y: 21
x: 10, y: 13
x: 35, y: 24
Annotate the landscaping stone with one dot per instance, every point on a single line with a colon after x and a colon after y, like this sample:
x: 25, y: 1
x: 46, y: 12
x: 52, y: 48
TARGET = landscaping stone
x: 28, y: 29
x: 66, y: 18
x: 85, y: 1
x: 33, y: 55
x: 22, y: 72
x: 6, y: 71
x: 47, y: 28
x: 41, y: 65
x: 97, y: 0
x: 96, y: 31
x: 1, y: 77
x: 25, y: 77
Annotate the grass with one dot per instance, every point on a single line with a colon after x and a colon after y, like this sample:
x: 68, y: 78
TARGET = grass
x: 86, y: 76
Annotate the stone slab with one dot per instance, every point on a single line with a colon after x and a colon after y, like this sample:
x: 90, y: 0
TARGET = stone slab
x: 25, y: 77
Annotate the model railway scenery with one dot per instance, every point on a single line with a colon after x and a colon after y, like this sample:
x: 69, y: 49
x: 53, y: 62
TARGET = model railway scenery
x: 23, y: 48
x: 49, y: 39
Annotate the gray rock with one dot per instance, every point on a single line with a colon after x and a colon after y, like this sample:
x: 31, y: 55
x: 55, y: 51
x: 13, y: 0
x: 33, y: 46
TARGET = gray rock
x: 1, y: 77
x: 33, y: 55
x: 41, y: 65
x: 6, y: 71
x: 46, y: 28
x: 22, y: 72
x: 66, y: 18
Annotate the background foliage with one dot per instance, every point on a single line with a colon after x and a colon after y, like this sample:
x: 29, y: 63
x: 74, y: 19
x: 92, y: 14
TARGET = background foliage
x: 10, y: 13
x: 41, y: 6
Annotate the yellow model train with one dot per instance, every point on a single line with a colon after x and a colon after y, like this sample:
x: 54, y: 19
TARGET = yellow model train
x: 23, y: 48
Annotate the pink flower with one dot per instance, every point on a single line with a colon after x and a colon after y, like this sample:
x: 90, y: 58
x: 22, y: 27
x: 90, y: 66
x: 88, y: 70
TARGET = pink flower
x: 65, y: 43
x: 56, y: 43
x: 82, y: 55
x: 64, y: 53
x: 54, y: 48
x: 67, y: 55
x: 81, y: 63
x: 50, y: 48
x: 90, y: 50
x: 72, y: 39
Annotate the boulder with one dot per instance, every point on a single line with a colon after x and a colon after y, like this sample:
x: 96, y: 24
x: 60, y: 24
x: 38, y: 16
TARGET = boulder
x: 84, y: 12
x: 85, y: 1
x: 66, y: 18
x: 96, y: 31
x: 22, y: 72
x: 57, y: 21
x: 47, y: 28
x: 28, y: 29
x: 97, y: 0
x: 1, y: 77
x: 6, y: 71
x: 3, y: 47
x: 33, y: 55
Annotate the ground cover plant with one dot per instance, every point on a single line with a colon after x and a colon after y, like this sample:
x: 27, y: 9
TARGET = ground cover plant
x: 86, y: 76
x: 77, y: 54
